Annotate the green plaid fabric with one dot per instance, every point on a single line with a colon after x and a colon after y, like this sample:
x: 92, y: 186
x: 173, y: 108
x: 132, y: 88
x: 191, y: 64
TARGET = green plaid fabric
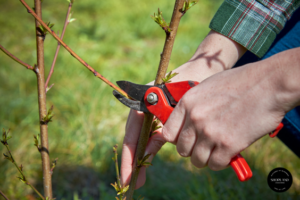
x: 253, y: 24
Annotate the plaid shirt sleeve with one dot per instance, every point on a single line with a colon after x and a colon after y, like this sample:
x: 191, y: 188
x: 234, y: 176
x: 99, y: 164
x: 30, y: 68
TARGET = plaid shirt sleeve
x: 253, y: 24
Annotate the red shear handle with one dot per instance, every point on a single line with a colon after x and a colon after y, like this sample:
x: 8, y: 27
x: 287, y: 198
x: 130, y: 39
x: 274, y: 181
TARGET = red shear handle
x: 241, y: 168
x: 276, y: 131
x: 162, y: 111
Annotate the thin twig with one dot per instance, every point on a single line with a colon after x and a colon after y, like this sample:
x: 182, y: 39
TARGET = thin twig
x: 16, y: 59
x: 72, y: 52
x: 40, y: 74
x: 117, y: 169
x: 2, y: 194
x: 58, y: 46
x: 148, y: 119
x: 22, y: 174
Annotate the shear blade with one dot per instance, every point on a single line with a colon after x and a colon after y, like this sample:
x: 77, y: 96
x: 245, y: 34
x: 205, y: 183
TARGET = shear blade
x: 135, y: 91
x: 136, y: 105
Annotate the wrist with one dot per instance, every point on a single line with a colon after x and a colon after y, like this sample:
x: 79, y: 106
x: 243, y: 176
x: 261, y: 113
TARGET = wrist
x: 215, y: 54
x: 218, y: 52
x: 284, y: 72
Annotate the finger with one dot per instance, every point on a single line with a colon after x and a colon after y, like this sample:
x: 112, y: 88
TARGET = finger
x: 141, y: 178
x: 174, y: 124
x: 201, y: 152
x: 219, y: 159
x: 155, y: 143
x: 133, y: 129
x: 186, y: 140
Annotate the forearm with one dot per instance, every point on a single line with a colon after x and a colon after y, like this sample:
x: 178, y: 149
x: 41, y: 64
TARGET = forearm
x: 215, y: 54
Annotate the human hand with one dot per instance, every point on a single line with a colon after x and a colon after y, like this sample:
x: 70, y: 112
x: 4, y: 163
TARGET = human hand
x: 223, y: 115
x: 215, y: 54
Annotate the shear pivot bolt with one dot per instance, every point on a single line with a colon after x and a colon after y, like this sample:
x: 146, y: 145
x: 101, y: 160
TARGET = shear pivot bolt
x: 152, y: 98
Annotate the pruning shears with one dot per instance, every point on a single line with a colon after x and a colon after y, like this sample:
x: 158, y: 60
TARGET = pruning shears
x: 160, y: 100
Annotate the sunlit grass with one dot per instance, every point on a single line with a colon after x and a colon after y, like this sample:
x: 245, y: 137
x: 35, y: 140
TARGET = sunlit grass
x: 120, y: 40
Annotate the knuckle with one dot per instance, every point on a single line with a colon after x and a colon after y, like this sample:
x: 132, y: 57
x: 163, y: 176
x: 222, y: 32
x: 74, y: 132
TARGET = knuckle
x: 196, y: 116
x: 184, y: 101
x: 187, y: 135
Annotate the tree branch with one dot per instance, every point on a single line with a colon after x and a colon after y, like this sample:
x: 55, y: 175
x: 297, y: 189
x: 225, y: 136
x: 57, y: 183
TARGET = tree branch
x: 16, y: 59
x: 58, y: 45
x: 162, y: 69
x: 2, y: 194
x: 40, y: 74
x: 10, y: 157
x: 72, y: 52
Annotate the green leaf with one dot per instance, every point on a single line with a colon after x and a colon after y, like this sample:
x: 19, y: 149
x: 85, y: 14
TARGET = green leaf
x: 143, y: 162
x: 158, y: 18
x: 115, y: 185
x: 5, y: 137
x: 37, y: 141
x: 147, y: 164
x: 21, y: 167
x: 155, y: 126
x: 71, y: 20
x: 7, y: 157
x: 22, y: 179
x: 169, y: 76
x: 48, y: 117
x: 187, y: 5
x: 125, y: 189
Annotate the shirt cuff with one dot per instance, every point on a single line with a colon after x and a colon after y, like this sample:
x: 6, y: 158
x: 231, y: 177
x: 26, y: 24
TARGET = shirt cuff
x: 251, y: 24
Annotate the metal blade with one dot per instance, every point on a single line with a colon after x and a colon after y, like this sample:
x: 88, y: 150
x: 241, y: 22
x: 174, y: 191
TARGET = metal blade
x: 136, y: 105
x: 135, y: 91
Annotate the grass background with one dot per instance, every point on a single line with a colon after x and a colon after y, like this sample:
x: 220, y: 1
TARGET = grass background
x: 121, y: 41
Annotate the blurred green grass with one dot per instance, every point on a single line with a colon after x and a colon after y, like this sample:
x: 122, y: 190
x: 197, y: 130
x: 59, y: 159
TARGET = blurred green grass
x: 120, y: 40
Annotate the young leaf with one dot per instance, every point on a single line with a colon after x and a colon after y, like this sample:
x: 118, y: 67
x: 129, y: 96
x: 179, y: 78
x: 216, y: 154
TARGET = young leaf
x: 48, y: 117
x: 21, y: 167
x: 169, y: 76
x: 143, y: 162
x: 155, y: 126
x: 124, y: 189
x: 187, y: 5
x: 22, y: 179
x: 70, y: 19
x: 8, y: 157
x: 36, y: 141
x: 115, y: 185
x: 54, y: 163
x: 158, y: 18
x: 5, y: 137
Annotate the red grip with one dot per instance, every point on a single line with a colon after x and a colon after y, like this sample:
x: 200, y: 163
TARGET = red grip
x: 241, y: 168
x: 276, y: 131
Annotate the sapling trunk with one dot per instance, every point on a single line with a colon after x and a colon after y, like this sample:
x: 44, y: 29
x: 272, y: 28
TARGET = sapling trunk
x: 162, y: 69
x: 40, y: 74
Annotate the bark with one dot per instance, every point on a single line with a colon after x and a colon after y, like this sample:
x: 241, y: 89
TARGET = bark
x: 39, y: 69
x: 162, y: 69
